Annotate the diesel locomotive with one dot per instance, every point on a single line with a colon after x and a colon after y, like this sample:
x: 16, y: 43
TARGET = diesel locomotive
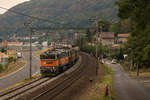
x: 53, y: 62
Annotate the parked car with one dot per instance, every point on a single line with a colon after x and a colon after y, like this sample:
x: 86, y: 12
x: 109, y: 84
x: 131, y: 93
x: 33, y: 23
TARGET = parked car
x: 114, y: 61
x: 19, y: 55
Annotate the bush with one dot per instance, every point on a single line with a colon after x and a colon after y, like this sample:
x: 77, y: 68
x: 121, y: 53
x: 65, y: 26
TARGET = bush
x: 3, y: 50
x: 11, y: 59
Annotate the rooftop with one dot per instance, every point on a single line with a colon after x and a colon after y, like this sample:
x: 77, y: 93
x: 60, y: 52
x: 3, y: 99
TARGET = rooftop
x: 123, y: 35
x: 107, y: 35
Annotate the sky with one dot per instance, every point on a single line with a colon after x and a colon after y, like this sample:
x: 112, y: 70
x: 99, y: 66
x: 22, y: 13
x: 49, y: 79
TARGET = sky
x: 9, y: 3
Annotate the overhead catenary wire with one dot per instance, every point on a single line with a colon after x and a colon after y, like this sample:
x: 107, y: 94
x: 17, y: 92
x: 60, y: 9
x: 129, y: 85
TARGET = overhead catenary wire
x: 40, y: 19
x: 26, y: 15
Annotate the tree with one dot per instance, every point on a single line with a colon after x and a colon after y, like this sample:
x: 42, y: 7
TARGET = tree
x: 105, y: 24
x: 3, y: 50
x: 89, y: 35
x: 49, y: 42
x: 11, y: 59
x: 115, y: 28
x: 138, y: 12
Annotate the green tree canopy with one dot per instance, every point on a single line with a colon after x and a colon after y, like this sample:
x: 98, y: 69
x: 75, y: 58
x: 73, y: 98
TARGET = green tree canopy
x: 138, y: 43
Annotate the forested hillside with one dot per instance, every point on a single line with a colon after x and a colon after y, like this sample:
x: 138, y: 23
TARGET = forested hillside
x: 58, y: 12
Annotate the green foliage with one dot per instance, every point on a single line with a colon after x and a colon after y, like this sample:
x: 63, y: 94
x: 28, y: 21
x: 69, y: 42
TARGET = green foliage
x: 118, y: 54
x: 11, y: 59
x: 105, y: 25
x: 115, y: 28
x: 60, y: 13
x: 49, y: 42
x: 138, y: 43
x: 3, y: 50
x: 123, y: 26
x: 86, y: 46
x: 89, y: 35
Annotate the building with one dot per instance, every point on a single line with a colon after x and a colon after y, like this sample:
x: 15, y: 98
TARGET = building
x: 4, y: 43
x: 122, y: 37
x: 107, y: 38
x: 76, y: 36
x: 45, y: 44
x: 12, y: 52
x: 16, y: 43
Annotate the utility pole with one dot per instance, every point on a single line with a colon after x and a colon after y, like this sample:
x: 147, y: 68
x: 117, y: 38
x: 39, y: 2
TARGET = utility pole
x: 96, y: 21
x: 96, y: 38
x: 101, y: 31
x: 31, y: 31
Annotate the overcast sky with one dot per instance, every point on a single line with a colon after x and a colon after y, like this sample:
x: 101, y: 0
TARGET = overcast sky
x: 9, y: 3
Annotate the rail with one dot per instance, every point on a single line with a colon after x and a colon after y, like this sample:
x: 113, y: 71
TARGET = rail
x: 21, y: 90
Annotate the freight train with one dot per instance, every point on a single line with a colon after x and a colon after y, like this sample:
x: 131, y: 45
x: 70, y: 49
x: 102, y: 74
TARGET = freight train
x: 53, y: 62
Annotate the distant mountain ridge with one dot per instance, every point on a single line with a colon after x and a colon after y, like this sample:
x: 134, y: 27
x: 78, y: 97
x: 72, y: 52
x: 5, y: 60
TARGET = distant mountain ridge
x: 60, y: 13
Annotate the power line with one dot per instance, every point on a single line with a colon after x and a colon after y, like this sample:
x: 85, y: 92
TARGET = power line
x: 52, y: 28
x: 19, y: 13
x: 62, y: 28
x: 41, y: 19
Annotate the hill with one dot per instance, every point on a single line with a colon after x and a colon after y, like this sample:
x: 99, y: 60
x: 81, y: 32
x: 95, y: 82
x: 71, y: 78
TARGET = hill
x: 58, y: 12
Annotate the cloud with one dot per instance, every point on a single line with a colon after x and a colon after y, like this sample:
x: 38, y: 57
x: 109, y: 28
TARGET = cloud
x: 9, y: 3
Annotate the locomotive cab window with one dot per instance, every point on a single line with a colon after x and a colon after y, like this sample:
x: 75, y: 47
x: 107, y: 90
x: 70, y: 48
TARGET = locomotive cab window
x: 53, y: 56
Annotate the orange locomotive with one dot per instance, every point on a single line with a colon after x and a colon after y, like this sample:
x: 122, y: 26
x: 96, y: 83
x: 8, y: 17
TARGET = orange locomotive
x: 56, y: 61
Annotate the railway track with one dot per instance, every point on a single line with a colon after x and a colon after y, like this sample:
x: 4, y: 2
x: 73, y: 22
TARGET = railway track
x: 58, y: 88
x: 21, y: 89
x: 19, y: 92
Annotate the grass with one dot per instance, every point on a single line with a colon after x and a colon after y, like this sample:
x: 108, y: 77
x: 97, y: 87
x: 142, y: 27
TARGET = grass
x: 98, y: 91
x: 12, y: 67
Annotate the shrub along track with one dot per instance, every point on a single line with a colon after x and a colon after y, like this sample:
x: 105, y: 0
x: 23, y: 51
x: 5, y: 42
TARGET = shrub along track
x: 57, y: 87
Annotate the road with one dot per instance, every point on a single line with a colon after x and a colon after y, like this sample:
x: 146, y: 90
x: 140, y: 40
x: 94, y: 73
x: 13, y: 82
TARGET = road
x: 21, y: 74
x: 127, y: 88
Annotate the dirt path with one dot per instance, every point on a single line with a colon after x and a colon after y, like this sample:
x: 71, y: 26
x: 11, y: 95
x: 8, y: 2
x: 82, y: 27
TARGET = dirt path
x: 127, y: 88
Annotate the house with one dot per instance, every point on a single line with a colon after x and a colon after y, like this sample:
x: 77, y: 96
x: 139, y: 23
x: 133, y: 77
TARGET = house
x: 4, y: 43
x: 107, y: 38
x: 16, y: 43
x: 122, y: 37
x: 45, y: 43
x: 76, y: 36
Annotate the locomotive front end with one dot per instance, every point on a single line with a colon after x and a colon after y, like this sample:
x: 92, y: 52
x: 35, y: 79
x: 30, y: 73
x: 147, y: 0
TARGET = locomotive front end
x: 49, y: 64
